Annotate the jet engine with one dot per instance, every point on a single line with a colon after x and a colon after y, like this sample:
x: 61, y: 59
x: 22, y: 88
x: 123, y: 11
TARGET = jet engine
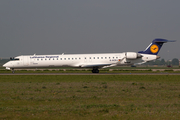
x: 132, y: 55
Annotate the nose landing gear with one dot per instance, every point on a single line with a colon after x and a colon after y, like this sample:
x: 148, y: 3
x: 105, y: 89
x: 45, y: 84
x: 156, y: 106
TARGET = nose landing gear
x: 13, y: 70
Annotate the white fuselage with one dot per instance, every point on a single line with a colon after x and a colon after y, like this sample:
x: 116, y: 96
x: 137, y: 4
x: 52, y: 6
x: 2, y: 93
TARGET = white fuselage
x: 77, y: 60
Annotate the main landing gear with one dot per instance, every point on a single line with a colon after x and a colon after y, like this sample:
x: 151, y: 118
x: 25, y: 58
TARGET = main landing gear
x: 95, y: 70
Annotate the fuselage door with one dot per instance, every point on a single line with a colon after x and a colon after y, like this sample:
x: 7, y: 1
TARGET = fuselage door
x: 25, y: 60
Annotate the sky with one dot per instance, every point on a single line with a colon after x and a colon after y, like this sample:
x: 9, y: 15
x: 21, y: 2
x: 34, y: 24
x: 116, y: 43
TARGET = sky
x: 39, y: 27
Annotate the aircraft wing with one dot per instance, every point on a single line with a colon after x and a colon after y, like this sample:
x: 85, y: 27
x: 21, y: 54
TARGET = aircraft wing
x: 140, y: 63
x: 99, y: 65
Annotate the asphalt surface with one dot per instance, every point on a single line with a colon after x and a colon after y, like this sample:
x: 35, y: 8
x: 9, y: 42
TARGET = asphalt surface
x: 90, y: 74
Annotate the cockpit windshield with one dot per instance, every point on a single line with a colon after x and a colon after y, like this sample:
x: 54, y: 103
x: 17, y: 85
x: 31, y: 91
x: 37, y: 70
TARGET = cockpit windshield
x: 14, y: 59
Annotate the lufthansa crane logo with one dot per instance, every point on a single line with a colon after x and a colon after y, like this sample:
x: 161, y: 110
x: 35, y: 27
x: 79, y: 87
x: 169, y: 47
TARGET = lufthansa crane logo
x: 154, y: 48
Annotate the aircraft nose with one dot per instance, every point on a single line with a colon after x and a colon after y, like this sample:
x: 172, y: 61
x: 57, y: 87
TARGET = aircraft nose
x: 4, y: 65
x: 7, y: 65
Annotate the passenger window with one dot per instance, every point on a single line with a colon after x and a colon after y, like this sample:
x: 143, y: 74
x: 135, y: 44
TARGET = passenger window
x: 94, y: 57
x: 68, y: 58
x: 105, y: 57
x: 64, y: 58
x: 97, y: 57
x: 89, y: 57
x: 101, y: 57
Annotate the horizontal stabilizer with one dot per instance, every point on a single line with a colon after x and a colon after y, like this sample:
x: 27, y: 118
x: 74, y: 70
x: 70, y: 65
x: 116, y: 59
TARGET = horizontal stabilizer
x: 163, y: 41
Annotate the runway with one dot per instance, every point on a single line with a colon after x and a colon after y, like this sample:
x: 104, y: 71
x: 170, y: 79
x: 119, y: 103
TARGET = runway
x: 90, y: 74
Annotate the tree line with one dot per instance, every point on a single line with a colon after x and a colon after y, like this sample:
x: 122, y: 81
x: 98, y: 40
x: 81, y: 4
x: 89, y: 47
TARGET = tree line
x: 172, y: 62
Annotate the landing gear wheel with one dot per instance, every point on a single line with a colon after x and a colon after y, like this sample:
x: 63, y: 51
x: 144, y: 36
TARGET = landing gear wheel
x: 95, y: 71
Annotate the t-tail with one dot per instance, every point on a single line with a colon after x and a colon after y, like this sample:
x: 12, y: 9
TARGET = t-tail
x: 155, y: 46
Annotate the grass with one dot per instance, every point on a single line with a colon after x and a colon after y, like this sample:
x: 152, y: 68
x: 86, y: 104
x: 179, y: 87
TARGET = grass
x: 90, y: 97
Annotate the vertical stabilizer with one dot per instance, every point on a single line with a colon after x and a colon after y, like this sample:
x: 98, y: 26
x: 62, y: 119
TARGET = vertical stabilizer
x: 155, y: 46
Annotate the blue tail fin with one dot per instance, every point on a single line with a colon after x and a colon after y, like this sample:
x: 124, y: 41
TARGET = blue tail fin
x: 155, y: 46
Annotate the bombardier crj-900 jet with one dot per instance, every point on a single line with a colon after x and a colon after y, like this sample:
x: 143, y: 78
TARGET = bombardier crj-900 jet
x: 94, y: 61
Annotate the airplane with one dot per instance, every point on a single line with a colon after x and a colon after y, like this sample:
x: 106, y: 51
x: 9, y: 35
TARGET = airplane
x: 94, y: 61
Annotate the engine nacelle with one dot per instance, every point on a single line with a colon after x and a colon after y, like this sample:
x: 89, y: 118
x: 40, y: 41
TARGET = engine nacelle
x: 132, y: 55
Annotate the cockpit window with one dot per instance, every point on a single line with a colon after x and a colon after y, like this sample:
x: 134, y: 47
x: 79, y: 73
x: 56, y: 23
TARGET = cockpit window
x: 12, y: 58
